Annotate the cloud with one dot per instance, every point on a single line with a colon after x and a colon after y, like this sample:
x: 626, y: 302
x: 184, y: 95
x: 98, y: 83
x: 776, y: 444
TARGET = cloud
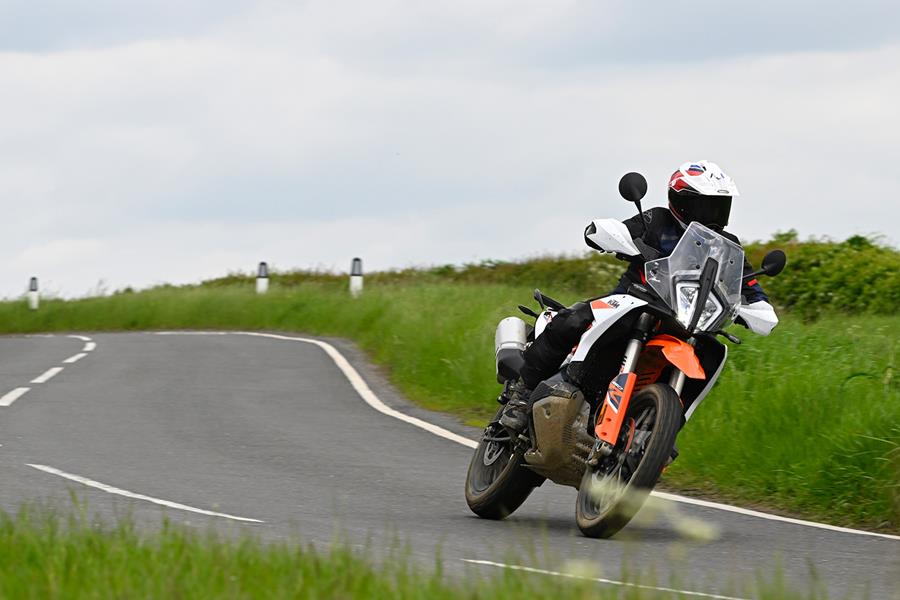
x: 413, y: 134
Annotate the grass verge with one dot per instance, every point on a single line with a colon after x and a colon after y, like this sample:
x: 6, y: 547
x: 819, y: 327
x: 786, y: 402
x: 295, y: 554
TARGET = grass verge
x: 46, y: 555
x: 806, y: 421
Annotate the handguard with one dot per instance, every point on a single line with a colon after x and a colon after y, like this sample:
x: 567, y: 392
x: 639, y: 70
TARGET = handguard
x: 760, y: 317
x: 610, y: 235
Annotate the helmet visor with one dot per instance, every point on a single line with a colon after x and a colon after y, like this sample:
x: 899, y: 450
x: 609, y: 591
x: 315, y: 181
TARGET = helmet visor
x: 712, y: 211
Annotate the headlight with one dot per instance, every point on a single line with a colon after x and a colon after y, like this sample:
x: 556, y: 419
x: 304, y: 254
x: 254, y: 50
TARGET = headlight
x: 686, y: 294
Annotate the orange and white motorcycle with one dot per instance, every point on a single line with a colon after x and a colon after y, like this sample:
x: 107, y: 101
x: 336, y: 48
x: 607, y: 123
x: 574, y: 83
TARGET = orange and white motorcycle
x: 606, y: 423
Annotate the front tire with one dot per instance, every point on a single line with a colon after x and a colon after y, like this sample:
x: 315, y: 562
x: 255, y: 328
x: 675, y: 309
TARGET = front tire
x: 612, y: 492
x: 497, y: 483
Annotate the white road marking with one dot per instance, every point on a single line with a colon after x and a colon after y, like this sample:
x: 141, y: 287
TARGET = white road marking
x: 14, y: 395
x: 372, y: 400
x: 75, y: 359
x: 83, y: 338
x: 48, y: 375
x: 367, y: 394
x: 599, y: 580
x: 190, y: 332
x: 770, y: 517
x: 89, y: 346
x: 120, y: 492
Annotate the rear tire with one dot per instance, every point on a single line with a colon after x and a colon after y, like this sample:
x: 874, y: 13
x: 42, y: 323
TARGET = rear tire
x: 497, y: 483
x: 612, y: 493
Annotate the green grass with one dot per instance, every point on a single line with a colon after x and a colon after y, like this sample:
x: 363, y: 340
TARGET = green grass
x: 807, y: 420
x: 45, y: 555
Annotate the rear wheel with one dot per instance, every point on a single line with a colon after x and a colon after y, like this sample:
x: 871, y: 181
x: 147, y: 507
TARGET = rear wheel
x: 612, y: 492
x: 497, y: 483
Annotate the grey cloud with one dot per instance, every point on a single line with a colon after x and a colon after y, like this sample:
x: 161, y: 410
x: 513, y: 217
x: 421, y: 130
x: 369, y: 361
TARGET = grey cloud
x: 49, y: 25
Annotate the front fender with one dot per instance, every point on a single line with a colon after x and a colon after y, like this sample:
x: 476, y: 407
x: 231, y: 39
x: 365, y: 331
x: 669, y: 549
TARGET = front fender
x: 679, y: 353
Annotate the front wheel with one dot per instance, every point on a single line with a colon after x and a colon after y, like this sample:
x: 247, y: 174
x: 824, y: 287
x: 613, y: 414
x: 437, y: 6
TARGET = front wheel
x: 497, y: 483
x: 612, y: 492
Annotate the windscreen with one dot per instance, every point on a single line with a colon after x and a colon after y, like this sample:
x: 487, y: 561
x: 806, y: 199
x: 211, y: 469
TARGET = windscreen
x: 676, y: 277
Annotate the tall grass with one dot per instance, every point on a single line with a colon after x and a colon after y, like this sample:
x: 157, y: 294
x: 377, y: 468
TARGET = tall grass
x: 807, y: 420
x: 49, y: 555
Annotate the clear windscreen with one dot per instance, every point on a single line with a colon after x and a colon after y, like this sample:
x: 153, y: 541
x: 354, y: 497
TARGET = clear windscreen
x: 677, y: 278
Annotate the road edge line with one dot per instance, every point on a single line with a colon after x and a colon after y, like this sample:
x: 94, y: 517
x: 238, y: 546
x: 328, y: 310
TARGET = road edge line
x: 135, y: 496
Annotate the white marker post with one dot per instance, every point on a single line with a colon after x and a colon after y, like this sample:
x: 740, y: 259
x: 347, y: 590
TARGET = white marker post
x: 262, y: 278
x: 34, y: 298
x: 356, y: 278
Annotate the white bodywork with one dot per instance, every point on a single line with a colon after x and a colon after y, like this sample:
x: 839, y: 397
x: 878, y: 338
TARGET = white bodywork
x: 613, y: 236
x: 759, y: 316
x: 710, y: 382
x: 606, y: 311
x: 541, y: 323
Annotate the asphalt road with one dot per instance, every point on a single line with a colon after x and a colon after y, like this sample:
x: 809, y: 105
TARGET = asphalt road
x: 273, y: 436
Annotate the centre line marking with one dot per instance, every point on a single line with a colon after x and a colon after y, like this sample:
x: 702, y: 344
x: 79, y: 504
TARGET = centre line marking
x: 89, y: 346
x: 48, y: 375
x: 74, y: 359
x: 14, y: 395
x: 372, y: 400
x: 120, y: 492
x: 598, y: 580
x: 83, y: 338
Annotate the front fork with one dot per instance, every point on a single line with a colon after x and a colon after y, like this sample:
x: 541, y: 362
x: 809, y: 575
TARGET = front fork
x: 615, y: 404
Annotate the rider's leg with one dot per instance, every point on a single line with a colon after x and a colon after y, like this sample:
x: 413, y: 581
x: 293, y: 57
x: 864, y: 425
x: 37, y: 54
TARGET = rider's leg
x: 543, y: 359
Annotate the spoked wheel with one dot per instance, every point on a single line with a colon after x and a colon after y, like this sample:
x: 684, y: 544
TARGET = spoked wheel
x: 497, y: 483
x: 612, y: 492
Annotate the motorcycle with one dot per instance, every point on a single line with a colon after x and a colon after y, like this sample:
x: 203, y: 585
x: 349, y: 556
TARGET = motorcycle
x: 607, y: 422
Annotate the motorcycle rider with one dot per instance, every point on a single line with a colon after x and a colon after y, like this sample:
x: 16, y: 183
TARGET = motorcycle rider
x: 698, y: 191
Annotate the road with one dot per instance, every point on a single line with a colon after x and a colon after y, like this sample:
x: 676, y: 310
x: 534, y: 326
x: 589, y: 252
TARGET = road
x: 270, y: 435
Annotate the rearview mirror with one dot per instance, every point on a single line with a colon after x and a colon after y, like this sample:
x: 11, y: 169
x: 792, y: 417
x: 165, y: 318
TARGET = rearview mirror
x: 774, y: 262
x: 633, y: 187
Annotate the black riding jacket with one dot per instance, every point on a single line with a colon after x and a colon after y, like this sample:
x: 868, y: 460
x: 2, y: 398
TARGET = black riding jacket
x: 662, y: 233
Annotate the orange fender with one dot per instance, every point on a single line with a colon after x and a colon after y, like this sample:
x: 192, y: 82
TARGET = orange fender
x: 679, y: 353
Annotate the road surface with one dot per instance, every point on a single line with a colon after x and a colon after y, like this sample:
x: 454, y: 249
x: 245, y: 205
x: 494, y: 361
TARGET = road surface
x: 272, y: 435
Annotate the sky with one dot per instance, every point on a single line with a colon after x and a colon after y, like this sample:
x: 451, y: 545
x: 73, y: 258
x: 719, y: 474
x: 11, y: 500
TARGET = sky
x: 171, y: 141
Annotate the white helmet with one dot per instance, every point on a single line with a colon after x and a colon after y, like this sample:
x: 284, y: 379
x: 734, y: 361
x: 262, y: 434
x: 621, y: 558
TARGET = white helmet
x: 701, y: 191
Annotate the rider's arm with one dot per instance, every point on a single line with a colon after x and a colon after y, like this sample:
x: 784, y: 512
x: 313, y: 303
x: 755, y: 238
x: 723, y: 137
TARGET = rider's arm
x: 638, y: 229
x: 751, y: 290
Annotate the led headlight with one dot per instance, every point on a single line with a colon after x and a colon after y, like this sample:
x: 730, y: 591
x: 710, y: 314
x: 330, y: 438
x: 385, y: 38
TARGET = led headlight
x: 686, y: 295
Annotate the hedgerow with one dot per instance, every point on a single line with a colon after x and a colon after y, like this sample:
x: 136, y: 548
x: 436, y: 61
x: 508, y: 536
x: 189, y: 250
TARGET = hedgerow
x: 857, y: 275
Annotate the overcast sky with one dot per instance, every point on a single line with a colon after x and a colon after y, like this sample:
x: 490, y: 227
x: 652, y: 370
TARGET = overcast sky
x: 169, y: 141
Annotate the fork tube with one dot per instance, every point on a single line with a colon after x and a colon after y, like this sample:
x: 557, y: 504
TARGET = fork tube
x: 636, y: 343
x: 632, y: 354
x: 677, y: 381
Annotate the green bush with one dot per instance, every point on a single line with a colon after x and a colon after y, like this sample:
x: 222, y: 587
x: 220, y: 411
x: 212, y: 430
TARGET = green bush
x: 857, y: 275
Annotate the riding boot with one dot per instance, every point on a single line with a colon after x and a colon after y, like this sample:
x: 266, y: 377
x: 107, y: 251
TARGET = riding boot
x: 518, y: 406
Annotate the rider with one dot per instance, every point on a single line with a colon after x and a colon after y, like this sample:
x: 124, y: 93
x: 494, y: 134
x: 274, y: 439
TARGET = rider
x: 698, y: 191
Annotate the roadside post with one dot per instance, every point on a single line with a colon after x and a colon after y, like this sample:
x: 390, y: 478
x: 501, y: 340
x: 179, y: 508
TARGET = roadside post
x: 262, y: 278
x: 34, y: 298
x: 356, y: 278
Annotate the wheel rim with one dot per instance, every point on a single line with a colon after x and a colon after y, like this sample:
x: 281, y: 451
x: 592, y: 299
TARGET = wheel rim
x: 494, y: 456
x: 492, y: 452
x: 609, y: 483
